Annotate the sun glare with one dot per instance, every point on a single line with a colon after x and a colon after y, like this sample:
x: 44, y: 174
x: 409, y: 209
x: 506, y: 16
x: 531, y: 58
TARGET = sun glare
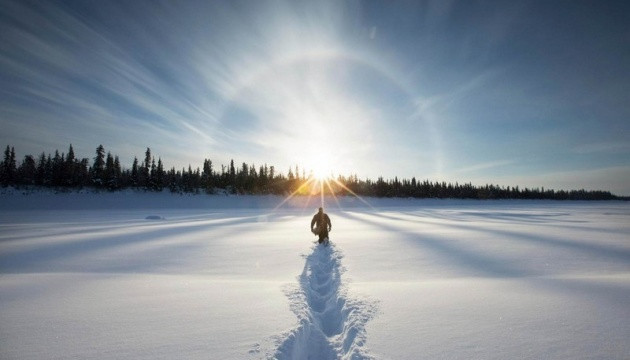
x: 319, y: 163
x: 321, y: 171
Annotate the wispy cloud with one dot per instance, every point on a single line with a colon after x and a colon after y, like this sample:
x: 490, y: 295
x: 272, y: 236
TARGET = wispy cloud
x: 606, y: 147
x: 274, y: 62
x: 407, y: 89
x: 485, y: 166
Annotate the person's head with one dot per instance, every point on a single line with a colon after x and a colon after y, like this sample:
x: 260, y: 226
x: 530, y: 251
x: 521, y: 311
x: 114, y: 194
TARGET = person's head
x: 321, y: 210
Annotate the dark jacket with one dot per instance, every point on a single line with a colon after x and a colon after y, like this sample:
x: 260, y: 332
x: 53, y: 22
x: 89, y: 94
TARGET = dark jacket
x: 322, y: 220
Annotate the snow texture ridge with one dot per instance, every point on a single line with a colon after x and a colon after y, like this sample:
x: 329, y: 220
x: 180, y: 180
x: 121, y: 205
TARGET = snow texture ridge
x: 331, y: 324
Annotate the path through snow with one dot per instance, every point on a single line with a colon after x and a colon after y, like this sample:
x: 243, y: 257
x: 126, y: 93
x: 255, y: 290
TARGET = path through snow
x: 331, y: 324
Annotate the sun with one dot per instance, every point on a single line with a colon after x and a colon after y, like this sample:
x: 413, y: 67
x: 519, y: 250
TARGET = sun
x: 319, y: 163
x: 321, y: 171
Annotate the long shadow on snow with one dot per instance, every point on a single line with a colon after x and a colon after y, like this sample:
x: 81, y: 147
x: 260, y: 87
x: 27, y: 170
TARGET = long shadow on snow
x: 611, y: 252
x: 97, y: 228
x: 613, y: 293
x: 41, y: 257
x: 464, y: 258
x: 553, y: 223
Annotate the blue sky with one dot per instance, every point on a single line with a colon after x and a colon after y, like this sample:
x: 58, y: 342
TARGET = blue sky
x: 528, y: 93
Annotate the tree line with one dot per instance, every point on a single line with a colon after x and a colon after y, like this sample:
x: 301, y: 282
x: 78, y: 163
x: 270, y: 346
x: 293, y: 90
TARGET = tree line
x: 104, y: 171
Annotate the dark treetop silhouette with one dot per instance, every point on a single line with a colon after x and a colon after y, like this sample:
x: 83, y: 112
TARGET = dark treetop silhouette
x: 65, y: 171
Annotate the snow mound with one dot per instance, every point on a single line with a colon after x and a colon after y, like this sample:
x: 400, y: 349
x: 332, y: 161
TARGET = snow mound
x: 154, y: 217
x: 331, y: 324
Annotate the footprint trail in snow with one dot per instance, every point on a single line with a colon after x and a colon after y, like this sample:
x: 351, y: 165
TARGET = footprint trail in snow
x: 331, y: 325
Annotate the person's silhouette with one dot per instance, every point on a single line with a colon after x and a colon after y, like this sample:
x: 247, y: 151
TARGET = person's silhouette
x: 322, y: 224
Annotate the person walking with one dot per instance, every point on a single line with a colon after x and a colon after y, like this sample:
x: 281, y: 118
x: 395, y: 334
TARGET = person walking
x: 320, y: 225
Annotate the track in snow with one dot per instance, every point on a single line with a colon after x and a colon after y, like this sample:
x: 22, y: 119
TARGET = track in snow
x: 331, y: 324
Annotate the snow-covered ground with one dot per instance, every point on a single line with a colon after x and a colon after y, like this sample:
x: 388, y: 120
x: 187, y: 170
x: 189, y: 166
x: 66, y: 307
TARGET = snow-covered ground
x: 160, y: 276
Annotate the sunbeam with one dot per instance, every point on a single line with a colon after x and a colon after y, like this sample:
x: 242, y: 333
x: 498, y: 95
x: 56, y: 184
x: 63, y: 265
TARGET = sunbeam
x: 353, y: 193
x: 321, y: 192
x: 300, y: 188
x: 332, y: 192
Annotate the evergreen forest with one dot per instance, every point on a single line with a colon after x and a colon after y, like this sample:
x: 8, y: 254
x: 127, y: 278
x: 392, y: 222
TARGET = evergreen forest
x: 66, y: 171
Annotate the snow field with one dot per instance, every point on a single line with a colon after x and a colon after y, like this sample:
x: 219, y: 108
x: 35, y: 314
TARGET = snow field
x: 232, y: 278
x: 526, y: 282
x: 112, y: 286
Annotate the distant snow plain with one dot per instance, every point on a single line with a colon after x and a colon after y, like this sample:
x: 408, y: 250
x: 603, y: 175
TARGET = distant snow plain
x: 132, y: 275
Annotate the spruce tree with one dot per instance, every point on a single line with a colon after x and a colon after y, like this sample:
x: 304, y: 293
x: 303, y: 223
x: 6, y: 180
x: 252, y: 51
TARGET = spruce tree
x: 48, y: 174
x: 70, y: 157
x: 159, y: 176
x: 207, y: 176
x: 69, y: 173
x: 8, y: 168
x: 117, y: 172
x: 26, y: 172
x: 232, y: 172
x: 145, y: 170
x: 110, y: 173
x: 57, y: 169
x: 12, y: 165
x: 153, y: 175
x: 83, y: 172
x: 134, y: 172
x: 98, y: 167
x: 4, y: 169
x: 41, y: 169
